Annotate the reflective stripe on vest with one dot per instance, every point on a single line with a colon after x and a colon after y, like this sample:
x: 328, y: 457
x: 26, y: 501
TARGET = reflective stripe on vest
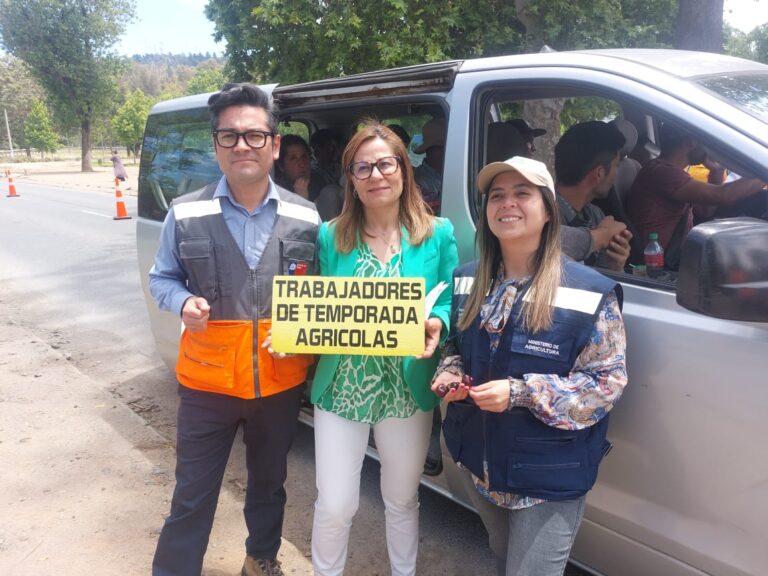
x: 196, y: 209
x: 463, y: 284
x: 290, y: 210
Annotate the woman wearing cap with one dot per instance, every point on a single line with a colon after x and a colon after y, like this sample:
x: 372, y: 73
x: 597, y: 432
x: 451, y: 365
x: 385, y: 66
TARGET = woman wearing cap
x: 385, y: 230
x: 538, y: 341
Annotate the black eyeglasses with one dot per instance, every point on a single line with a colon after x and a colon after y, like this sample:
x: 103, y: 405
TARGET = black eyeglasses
x: 230, y: 138
x: 386, y: 166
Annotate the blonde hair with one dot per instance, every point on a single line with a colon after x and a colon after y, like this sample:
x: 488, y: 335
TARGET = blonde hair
x: 414, y: 213
x: 536, y: 311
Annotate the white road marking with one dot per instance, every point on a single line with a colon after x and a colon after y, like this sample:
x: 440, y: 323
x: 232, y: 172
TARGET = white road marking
x: 95, y: 213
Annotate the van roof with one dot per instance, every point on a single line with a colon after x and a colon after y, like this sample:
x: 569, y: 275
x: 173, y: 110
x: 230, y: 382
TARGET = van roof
x: 195, y: 101
x: 684, y: 64
x: 439, y: 76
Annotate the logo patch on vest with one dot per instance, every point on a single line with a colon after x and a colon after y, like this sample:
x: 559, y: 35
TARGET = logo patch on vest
x: 297, y: 268
x: 555, y: 345
x: 546, y: 348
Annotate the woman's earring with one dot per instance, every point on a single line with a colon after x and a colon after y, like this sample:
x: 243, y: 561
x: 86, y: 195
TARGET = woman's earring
x: 354, y: 193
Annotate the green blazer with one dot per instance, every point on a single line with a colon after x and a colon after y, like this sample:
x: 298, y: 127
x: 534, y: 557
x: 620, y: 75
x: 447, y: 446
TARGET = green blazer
x: 434, y: 259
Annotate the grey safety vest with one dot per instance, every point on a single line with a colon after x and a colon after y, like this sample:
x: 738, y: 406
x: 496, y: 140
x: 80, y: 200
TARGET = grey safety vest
x: 217, y: 270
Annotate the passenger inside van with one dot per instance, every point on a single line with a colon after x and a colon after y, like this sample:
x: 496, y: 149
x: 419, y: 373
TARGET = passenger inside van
x: 527, y: 133
x: 326, y: 149
x: 586, y: 164
x: 429, y: 175
x: 293, y: 170
x: 402, y: 133
x: 663, y: 193
x: 504, y: 141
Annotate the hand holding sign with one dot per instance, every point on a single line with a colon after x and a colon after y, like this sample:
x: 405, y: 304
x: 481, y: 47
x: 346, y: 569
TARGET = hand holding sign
x: 432, y: 328
x: 272, y: 352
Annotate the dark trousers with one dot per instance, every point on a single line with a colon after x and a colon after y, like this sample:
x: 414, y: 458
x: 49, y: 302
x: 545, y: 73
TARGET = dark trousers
x: 207, y: 424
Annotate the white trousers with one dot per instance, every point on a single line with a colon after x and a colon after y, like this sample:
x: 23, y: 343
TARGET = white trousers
x: 340, y: 446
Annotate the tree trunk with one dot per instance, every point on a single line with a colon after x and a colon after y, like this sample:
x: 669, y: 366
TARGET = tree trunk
x: 699, y: 25
x: 545, y: 114
x: 85, y: 132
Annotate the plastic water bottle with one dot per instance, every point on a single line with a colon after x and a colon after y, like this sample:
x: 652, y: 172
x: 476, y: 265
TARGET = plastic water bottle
x: 653, y: 255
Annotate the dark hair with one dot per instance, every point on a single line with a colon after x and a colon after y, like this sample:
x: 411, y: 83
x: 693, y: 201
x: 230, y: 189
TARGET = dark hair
x: 323, y: 136
x: 585, y: 146
x: 241, y: 94
x: 671, y: 137
x: 289, y: 140
x: 401, y: 132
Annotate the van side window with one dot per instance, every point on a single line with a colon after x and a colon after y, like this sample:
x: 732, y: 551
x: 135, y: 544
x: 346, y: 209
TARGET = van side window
x: 531, y: 122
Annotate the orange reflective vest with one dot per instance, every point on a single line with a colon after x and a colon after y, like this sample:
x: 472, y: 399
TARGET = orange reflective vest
x: 227, y: 357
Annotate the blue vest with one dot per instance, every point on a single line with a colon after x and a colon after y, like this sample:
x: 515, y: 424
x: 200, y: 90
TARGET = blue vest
x: 524, y: 455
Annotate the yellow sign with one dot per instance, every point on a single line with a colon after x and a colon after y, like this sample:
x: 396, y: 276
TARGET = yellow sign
x: 371, y: 316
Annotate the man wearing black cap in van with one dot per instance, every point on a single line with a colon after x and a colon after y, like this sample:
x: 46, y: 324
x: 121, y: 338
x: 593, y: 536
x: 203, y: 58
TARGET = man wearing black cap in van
x: 527, y: 133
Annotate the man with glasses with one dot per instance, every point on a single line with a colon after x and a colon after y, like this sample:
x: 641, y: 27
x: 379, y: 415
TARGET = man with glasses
x: 220, y: 248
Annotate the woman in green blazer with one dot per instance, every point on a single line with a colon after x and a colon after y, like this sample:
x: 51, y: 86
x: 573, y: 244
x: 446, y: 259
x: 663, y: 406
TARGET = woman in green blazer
x: 385, y: 230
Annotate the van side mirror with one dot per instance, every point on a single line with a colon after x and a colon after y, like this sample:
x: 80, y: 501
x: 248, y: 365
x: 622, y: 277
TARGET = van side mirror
x: 724, y: 270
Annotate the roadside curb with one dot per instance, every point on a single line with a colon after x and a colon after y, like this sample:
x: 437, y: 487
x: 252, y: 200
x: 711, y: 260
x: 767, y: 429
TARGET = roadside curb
x: 90, y: 480
x: 76, y: 183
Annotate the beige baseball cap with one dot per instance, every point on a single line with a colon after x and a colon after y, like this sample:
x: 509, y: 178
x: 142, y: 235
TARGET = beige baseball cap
x: 532, y: 170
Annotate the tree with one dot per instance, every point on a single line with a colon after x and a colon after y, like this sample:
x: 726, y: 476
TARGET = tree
x: 699, y: 25
x: 206, y: 79
x: 39, y: 129
x: 299, y: 40
x: 18, y: 89
x: 66, y: 44
x: 568, y: 25
x: 759, y: 40
x: 130, y: 120
x: 148, y: 77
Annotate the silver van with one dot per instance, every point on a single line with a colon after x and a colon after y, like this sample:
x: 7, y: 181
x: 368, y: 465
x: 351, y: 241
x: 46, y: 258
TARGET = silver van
x: 685, y: 490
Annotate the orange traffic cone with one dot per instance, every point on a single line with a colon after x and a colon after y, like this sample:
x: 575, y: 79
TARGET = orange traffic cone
x: 122, y: 213
x: 11, y: 185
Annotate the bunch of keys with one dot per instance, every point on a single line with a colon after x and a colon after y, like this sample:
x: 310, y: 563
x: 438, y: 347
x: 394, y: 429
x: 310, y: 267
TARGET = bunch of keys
x: 443, y: 389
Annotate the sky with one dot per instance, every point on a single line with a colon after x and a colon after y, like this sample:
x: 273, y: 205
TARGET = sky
x: 169, y: 27
x: 745, y: 15
x: 180, y: 26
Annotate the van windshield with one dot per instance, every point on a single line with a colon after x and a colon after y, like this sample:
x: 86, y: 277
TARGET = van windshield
x: 746, y: 91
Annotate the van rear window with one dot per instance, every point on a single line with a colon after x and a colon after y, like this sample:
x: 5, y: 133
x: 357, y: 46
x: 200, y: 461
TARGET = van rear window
x: 177, y: 157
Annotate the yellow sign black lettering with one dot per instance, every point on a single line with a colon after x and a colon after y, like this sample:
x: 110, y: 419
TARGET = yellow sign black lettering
x: 372, y: 316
